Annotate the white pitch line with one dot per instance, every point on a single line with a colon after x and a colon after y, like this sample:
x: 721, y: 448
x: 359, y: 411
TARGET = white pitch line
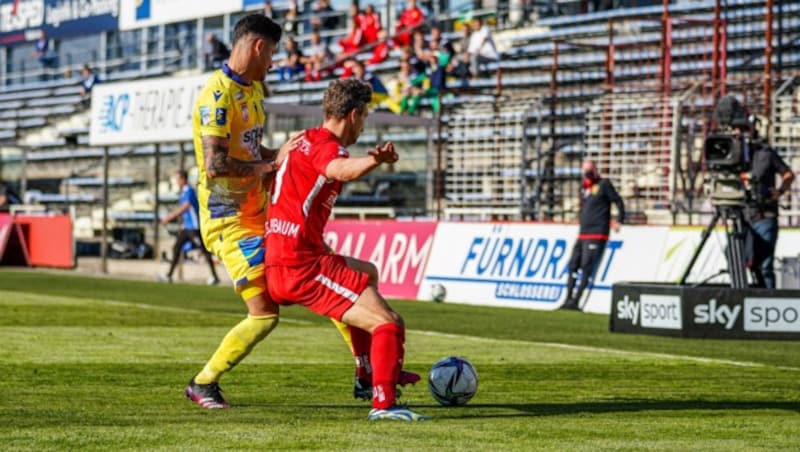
x: 157, y: 308
x: 611, y: 351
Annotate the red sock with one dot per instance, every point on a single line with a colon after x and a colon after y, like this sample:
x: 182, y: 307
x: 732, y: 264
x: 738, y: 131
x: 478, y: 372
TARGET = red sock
x: 387, y: 360
x: 361, y: 342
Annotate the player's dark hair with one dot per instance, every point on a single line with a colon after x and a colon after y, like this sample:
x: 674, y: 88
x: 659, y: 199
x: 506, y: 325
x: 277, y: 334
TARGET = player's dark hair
x: 345, y: 95
x: 183, y: 174
x: 257, y: 24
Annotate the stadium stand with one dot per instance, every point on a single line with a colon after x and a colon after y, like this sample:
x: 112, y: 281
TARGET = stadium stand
x: 549, y: 99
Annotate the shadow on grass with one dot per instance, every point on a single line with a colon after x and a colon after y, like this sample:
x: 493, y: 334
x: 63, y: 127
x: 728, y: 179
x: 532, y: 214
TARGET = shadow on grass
x: 479, y: 410
x: 501, y: 410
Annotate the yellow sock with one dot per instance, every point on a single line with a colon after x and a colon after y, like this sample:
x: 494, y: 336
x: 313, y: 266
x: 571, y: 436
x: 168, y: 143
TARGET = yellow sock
x: 236, y: 345
x: 344, y: 330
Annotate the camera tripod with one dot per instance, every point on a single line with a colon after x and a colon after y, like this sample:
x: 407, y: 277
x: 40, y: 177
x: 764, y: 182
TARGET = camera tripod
x: 734, y: 253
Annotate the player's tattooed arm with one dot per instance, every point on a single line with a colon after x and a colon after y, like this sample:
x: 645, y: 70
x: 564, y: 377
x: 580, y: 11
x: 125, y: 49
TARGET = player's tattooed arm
x: 219, y: 164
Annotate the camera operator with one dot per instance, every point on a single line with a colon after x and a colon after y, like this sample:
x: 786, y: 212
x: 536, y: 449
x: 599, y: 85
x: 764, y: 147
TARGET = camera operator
x: 763, y: 209
x: 762, y: 204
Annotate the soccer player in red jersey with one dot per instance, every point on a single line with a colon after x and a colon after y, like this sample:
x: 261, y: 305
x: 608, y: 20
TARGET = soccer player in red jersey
x: 300, y: 269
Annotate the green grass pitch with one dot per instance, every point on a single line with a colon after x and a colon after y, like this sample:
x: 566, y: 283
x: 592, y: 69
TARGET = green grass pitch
x: 100, y: 364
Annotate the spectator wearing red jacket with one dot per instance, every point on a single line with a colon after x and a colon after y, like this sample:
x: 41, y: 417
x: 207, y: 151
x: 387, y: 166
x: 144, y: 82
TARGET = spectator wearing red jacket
x: 370, y: 24
x: 410, y: 18
x: 355, y: 38
x: 381, y: 50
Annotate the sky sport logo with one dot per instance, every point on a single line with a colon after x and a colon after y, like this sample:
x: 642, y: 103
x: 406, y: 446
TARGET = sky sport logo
x: 713, y: 313
x: 651, y: 311
x: 773, y: 315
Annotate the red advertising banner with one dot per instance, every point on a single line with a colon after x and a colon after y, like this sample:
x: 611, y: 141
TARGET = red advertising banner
x: 399, y: 249
x: 49, y: 239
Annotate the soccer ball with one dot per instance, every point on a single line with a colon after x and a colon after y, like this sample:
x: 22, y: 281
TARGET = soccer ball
x: 452, y: 381
x: 438, y: 292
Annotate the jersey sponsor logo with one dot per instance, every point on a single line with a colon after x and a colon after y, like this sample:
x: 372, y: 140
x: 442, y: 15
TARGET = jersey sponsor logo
x: 283, y: 227
x: 222, y: 116
x: 205, y: 115
x: 217, y: 95
x: 245, y: 112
x: 251, y: 140
x: 238, y: 95
x: 343, y: 152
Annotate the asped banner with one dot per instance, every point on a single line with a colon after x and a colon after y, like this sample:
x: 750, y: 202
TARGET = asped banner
x: 145, y: 13
x: 149, y: 111
x: 399, y: 250
x: 24, y: 20
x: 526, y: 265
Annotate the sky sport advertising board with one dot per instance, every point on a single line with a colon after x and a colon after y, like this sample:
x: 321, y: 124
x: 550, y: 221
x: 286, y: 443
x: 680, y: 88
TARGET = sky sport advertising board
x: 400, y: 250
x: 526, y: 265
x: 24, y: 20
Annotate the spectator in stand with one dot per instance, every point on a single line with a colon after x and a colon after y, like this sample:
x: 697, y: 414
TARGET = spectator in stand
x: 418, y: 43
x: 323, y: 17
x: 354, y: 39
x: 268, y: 11
x: 294, y: 62
x: 290, y: 22
x: 319, y: 58
x: 370, y: 24
x: 414, y: 84
x: 88, y: 80
x: 463, y: 43
x: 459, y: 68
x: 444, y: 43
x: 417, y: 64
x: 42, y: 53
x: 411, y: 18
x: 359, y: 72
x: 381, y: 50
x: 481, y: 47
x: 217, y: 52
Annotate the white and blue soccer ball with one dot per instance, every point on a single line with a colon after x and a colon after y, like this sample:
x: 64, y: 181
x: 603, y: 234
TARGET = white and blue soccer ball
x: 453, y: 381
x: 438, y: 292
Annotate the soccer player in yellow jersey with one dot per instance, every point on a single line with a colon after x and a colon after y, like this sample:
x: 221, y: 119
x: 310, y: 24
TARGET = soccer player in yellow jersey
x: 228, y: 124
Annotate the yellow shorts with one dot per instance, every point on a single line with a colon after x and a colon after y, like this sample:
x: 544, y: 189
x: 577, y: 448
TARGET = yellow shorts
x: 240, y: 247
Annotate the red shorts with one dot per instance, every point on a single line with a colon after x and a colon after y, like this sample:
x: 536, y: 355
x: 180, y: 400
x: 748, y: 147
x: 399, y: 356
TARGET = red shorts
x: 326, y: 286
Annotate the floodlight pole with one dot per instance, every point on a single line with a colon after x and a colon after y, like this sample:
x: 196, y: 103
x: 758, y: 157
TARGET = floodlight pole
x: 156, y: 222
x: 768, y: 58
x: 104, y: 236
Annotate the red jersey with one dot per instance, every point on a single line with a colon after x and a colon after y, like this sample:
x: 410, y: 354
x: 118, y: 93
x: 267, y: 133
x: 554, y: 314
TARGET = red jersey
x: 301, y: 200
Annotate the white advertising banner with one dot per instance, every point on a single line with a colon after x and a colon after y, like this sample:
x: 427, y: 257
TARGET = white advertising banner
x: 526, y: 265
x: 142, y: 112
x: 145, y: 13
x: 682, y: 242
